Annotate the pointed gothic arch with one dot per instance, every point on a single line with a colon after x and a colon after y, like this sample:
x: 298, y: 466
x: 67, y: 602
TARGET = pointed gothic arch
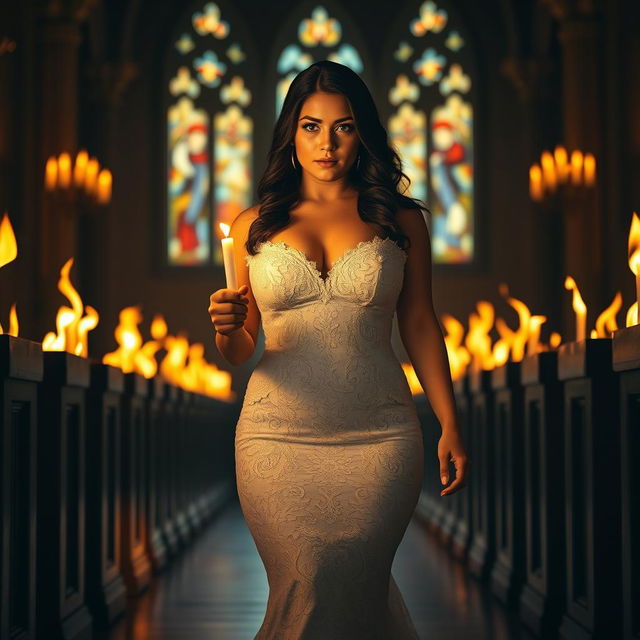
x: 316, y: 31
x: 209, y: 94
x: 431, y: 76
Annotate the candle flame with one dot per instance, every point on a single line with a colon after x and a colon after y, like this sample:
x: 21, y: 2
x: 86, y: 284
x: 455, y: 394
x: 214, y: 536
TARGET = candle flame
x: 478, y: 341
x: 632, y: 315
x: 578, y: 303
x: 13, y: 322
x: 8, y: 244
x: 91, y: 175
x: 131, y: 355
x: 51, y: 173
x: 71, y: 326
x: 225, y: 229
x: 606, y: 323
x: 80, y: 168
x: 459, y: 356
x: 576, y: 166
x: 158, y: 327
x: 64, y: 169
x: 634, y: 245
x: 105, y: 181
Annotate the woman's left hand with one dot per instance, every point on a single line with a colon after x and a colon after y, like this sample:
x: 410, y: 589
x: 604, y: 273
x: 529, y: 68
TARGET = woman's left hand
x: 450, y: 447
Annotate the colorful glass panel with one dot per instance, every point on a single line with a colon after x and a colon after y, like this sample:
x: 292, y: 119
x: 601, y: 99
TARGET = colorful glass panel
x: 431, y: 126
x: 319, y: 37
x: 209, y: 136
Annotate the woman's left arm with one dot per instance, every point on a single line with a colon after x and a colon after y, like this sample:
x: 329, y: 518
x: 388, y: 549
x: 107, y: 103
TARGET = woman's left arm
x: 423, y: 340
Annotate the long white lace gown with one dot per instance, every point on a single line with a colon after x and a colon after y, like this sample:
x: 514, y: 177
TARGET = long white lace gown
x: 328, y: 445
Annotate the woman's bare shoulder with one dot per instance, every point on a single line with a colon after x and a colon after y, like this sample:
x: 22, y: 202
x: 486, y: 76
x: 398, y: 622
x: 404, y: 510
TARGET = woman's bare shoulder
x: 411, y: 221
x: 248, y: 215
x: 244, y: 219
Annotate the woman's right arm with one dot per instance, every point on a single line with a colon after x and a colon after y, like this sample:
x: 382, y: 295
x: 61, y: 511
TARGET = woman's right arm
x: 238, y: 345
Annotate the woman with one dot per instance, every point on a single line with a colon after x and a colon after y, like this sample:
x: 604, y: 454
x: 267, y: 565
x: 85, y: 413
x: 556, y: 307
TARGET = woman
x: 329, y: 451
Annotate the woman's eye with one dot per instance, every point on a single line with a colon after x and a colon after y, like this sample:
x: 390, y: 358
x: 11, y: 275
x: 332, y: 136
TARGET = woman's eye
x: 345, y: 127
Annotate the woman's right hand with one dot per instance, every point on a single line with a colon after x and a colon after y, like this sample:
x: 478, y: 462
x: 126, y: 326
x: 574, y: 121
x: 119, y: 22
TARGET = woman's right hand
x: 228, y: 309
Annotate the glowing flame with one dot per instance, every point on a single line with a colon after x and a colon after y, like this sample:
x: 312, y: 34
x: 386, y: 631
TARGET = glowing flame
x: 634, y: 245
x: 533, y: 342
x: 606, y: 323
x: 510, y: 341
x: 131, y: 355
x: 185, y: 366
x: 8, y: 244
x: 579, y: 307
x: 13, y: 322
x: 478, y: 341
x: 175, y: 360
x: 72, y: 328
x: 158, y: 328
x: 632, y: 315
x: 459, y: 356
x: 225, y: 229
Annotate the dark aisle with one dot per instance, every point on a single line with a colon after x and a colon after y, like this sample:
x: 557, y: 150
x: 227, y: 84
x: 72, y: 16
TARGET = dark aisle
x: 217, y: 590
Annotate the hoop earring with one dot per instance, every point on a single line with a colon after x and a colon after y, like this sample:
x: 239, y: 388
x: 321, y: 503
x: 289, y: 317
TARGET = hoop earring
x: 358, y: 162
x: 293, y: 162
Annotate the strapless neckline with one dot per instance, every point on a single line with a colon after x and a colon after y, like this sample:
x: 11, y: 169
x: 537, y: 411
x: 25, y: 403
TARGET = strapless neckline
x: 314, y: 266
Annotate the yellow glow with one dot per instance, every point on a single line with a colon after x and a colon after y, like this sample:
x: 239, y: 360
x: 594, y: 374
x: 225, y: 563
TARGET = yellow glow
x: 91, y: 176
x: 104, y: 186
x: 64, y: 170
x: 576, y: 167
x: 80, y: 168
x: 579, y: 307
x: 606, y: 323
x: 51, y: 174
x: 589, y: 169
x: 8, y: 244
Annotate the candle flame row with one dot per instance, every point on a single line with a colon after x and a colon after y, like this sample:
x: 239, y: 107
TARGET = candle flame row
x: 558, y: 169
x: 184, y: 364
x: 86, y: 175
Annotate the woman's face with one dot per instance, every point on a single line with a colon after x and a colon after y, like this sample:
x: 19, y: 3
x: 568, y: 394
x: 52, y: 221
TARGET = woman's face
x: 326, y: 129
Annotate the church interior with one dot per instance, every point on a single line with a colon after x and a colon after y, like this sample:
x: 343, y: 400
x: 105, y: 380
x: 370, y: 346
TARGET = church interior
x: 132, y: 133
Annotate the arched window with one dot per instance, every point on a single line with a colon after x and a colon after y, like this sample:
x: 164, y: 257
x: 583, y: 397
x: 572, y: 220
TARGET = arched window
x: 209, y: 134
x: 431, y: 124
x: 319, y: 35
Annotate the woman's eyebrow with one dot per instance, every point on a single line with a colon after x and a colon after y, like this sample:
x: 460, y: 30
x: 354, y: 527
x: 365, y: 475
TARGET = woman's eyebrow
x: 320, y: 120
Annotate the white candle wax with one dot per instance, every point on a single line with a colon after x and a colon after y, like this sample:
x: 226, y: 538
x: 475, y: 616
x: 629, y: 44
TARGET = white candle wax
x: 229, y: 263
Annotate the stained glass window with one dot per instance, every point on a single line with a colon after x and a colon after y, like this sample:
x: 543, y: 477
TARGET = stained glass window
x: 319, y: 37
x: 209, y: 136
x: 431, y: 126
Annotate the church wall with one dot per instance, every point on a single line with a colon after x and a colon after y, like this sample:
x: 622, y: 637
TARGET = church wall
x: 122, y: 247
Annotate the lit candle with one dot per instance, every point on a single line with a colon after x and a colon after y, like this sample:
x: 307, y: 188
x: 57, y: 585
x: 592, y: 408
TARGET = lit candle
x: 535, y: 322
x: 589, y: 169
x: 579, y: 307
x: 51, y: 174
x: 562, y: 165
x: 634, y: 252
x: 104, y: 186
x: 576, y: 167
x: 91, y: 175
x: 535, y: 183
x: 80, y: 168
x: 228, y: 256
x: 64, y: 170
x: 549, y: 170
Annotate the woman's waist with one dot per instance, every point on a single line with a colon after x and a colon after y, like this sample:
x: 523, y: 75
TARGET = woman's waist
x: 337, y: 368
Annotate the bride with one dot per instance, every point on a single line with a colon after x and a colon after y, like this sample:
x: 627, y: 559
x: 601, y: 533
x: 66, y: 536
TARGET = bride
x: 328, y: 445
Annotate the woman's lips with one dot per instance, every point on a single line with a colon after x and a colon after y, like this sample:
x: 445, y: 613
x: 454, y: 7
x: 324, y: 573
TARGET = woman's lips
x: 326, y: 163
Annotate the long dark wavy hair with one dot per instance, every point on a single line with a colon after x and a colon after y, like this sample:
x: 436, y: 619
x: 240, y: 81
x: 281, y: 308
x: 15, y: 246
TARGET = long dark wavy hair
x: 376, y: 177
